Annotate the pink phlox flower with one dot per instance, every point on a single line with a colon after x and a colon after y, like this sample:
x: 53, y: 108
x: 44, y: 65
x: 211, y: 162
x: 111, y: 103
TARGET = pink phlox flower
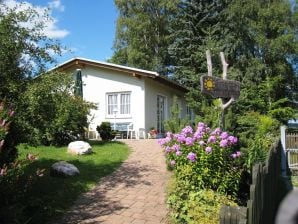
x: 201, y: 143
x: 168, y: 149
x: 178, y: 153
x: 198, y: 135
x: 1, y: 143
x: 189, y: 141
x: 211, y: 139
x: 181, y: 138
x: 223, y: 143
x: 236, y: 154
x: 161, y: 141
x: 192, y: 157
x: 175, y: 136
x: 208, y: 129
x: 208, y: 149
x: 201, y: 129
x: 187, y: 130
x: 176, y: 147
x: 216, y: 131
x: 232, y: 139
x: 11, y: 113
x: 173, y: 162
x: 3, y: 171
x: 201, y: 124
x: 3, y: 123
x: 224, y: 135
x: 169, y: 134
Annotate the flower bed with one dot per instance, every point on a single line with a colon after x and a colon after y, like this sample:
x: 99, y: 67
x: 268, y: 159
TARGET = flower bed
x: 202, y: 159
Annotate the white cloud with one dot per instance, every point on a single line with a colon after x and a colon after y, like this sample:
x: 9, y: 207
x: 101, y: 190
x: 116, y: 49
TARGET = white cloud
x: 56, y: 4
x: 51, y: 30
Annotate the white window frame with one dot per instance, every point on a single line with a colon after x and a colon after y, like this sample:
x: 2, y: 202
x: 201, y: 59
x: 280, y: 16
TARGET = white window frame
x: 118, y: 105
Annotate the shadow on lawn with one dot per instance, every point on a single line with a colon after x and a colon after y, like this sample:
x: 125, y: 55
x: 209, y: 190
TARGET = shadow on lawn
x: 49, y: 197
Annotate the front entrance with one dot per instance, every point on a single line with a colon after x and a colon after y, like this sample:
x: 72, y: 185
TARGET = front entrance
x: 161, y: 105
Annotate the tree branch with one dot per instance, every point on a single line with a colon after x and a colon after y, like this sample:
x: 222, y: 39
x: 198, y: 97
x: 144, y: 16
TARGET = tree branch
x: 224, y: 106
x: 224, y: 65
x: 209, y: 62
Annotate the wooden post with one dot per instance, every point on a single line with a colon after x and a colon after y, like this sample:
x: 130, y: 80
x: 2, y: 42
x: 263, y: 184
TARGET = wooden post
x: 284, y: 158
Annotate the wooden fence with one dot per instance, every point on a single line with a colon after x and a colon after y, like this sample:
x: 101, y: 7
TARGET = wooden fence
x: 266, y: 192
x: 292, y: 140
x: 291, y: 147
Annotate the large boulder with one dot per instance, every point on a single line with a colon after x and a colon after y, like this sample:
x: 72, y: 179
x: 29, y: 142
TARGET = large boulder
x: 79, y: 148
x: 64, y: 169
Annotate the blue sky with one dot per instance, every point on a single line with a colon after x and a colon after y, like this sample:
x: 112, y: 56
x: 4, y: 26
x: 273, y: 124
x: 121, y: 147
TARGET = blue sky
x: 86, y: 27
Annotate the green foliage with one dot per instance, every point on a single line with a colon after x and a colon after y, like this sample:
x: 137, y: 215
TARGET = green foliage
x: 142, y: 34
x: 105, y: 131
x: 48, y: 197
x: 194, y: 206
x: 50, y: 113
x: 257, y: 134
x: 175, y: 123
x: 24, y: 50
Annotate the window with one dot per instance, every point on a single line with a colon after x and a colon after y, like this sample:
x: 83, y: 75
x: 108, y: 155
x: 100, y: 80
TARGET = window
x: 119, y: 102
x: 189, y: 113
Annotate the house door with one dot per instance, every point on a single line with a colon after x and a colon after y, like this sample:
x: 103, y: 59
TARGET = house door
x: 161, y: 105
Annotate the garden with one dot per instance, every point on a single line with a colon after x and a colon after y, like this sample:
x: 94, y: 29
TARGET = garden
x: 207, y: 173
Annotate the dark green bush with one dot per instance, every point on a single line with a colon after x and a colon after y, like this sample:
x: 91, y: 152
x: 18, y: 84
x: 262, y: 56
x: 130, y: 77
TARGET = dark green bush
x: 50, y: 114
x: 8, y: 150
x: 105, y: 131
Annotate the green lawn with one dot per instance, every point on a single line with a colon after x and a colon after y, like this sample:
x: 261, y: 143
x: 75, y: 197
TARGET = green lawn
x: 51, y: 196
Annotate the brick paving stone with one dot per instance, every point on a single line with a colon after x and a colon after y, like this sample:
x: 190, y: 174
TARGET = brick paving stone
x: 133, y: 194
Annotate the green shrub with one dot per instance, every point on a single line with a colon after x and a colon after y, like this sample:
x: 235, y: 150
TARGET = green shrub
x: 105, y: 131
x: 188, y: 206
x: 257, y: 134
x: 50, y: 114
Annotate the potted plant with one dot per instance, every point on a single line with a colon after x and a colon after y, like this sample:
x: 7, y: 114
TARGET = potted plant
x: 153, y: 132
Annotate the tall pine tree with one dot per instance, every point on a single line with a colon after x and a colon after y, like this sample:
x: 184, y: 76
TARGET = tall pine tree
x: 197, y: 27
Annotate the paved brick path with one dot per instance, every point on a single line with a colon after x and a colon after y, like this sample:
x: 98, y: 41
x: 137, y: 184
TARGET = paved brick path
x: 135, y: 193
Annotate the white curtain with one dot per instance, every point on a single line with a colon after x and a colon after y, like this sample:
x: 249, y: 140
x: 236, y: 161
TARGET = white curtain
x: 112, y: 103
x: 125, y: 103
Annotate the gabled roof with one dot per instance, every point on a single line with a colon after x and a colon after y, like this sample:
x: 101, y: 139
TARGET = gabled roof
x: 78, y: 62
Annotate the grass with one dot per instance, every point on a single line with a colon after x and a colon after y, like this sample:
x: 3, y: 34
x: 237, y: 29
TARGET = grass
x: 50, y: 196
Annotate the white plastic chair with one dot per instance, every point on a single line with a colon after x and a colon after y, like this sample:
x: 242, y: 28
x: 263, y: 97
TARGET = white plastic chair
x: 142, y: 133
x: 131, y: 132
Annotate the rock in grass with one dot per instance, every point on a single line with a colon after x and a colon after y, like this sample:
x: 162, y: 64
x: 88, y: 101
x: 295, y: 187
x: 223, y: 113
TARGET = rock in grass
x: 79, y: 148
x: 64, y: 169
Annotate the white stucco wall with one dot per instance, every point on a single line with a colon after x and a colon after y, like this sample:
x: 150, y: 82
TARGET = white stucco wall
x: 98, y: 82
x: 152, y: 89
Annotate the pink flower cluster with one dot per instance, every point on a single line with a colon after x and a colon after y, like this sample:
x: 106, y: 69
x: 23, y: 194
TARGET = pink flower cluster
x: 189, y: 141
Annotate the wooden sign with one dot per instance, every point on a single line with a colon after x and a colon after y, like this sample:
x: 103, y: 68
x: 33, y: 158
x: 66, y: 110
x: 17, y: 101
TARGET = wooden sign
x: 220, y: 88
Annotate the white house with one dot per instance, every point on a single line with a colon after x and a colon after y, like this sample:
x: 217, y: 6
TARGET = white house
x: 126, y: 95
